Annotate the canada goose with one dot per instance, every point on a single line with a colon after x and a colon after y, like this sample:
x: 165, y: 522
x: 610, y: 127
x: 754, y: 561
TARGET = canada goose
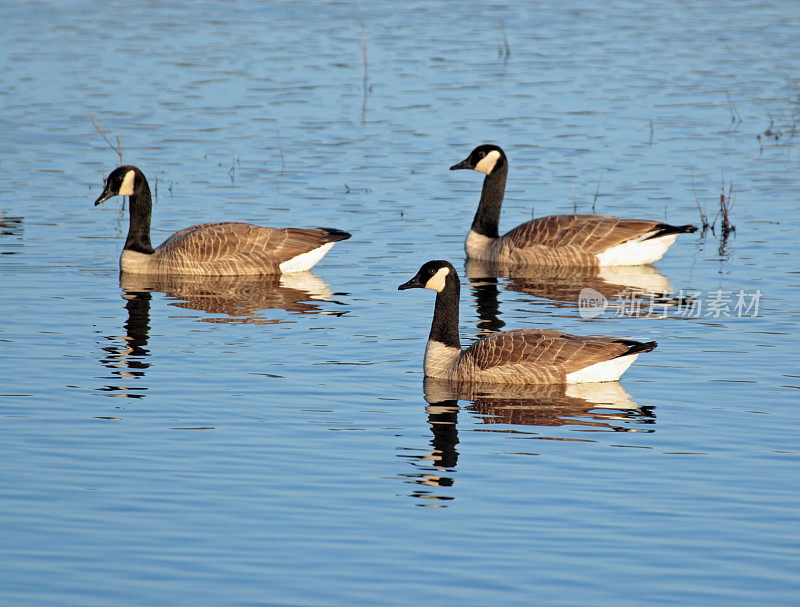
x: 557, y: 240
x: 522, y: 356
x: 211, y: 249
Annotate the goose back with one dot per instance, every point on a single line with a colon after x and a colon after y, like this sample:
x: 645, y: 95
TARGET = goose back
x: 532, y: 356
x: 231, y: 248
x: 581, y: 241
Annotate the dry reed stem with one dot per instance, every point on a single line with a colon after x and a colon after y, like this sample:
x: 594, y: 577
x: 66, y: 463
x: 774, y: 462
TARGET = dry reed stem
x: 701, y: 211
x: 117, y: 149
x: 365, y: 59
x: 597, y: 191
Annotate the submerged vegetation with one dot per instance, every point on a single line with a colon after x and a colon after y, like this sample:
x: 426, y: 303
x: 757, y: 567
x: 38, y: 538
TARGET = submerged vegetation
x: 726, y: 202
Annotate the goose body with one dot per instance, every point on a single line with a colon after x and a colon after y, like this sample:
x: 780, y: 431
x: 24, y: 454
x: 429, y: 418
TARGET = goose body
x: 521, y: 356
x: 557, y: 240
x: 211, y: 249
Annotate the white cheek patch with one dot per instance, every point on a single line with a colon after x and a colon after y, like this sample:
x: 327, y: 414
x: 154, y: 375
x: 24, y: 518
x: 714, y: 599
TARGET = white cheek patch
x: 436, y: 282
x: 126, y: 189
x: 487, y: 164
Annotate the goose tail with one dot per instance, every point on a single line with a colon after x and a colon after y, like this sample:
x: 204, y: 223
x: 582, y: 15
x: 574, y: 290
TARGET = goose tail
x: 636, y: 347
x: 334, y: 235
x: 665, y: 229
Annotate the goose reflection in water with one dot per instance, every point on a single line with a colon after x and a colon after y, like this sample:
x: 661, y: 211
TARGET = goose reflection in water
x: 228, y: 299
x: 239, y: 299
x: 619, y: 285
x: 594, y: 407
x: 10, y: 227
x: 126, y: 356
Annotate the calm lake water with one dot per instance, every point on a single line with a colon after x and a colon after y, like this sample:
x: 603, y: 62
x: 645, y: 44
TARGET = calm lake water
x: 240, y: 442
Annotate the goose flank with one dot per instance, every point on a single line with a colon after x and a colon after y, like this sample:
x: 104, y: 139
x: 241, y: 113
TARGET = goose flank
x: 211, y: 249
x: 521, y: 356
x: 557, y: 240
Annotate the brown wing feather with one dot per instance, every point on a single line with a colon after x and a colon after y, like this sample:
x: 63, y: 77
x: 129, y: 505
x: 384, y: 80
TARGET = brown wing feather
x: 547, y: 356
x: 236, y: 248
x: 592, y: 233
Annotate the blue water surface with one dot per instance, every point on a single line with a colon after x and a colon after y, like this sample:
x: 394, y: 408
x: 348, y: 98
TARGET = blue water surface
x: 272, y: 442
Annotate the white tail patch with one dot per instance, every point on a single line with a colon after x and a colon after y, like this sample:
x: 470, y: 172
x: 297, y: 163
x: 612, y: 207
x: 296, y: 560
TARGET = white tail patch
x: 488, y: 162
x: 126, y: 189
x: 436, y: 282
x: 639, y: 251
x: 305, y: 261
x: 607, y: 370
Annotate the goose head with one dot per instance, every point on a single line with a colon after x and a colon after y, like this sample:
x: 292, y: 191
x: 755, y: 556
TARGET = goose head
x: 122, y: 181
x: 485, y: 158
x: 432, y: 275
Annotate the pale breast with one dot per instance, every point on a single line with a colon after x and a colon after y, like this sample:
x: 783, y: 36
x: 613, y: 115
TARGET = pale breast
x: 440, y: 360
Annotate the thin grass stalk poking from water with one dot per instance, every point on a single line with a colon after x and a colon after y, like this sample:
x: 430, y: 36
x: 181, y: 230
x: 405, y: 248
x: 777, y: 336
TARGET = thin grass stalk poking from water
x: 504, y: 50
x: 794, y: 107
x: 365, y: 59
x: 597, y: 191
x: 735, y: 115
x: 726, y: 203
x: 574, y: 200
x: 703, y: 215
x: 280, y: 150
x: 725, y: 207
x: 232, y: 170
x: 118, y: 148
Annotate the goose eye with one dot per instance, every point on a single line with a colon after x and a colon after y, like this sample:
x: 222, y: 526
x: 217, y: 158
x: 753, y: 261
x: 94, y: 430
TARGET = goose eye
x: 482, y: 154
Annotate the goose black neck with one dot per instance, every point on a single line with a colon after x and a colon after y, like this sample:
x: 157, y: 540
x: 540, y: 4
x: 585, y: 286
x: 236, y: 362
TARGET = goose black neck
x: 487, y: 217
x: 141, y: 205
x: 444, y: 327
